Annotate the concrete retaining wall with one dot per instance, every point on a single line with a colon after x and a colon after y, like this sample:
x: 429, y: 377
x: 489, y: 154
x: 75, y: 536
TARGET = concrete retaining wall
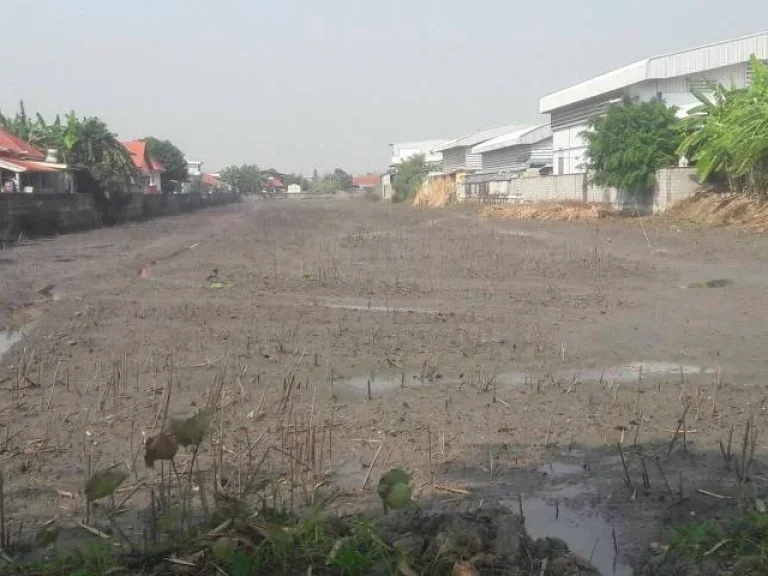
x: 42, y: 214
x: 672, y: 185
x: 46, y: 214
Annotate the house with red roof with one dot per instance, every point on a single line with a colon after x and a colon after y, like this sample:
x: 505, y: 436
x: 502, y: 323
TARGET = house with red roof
x: 213, y: 183
x: 25, y: 168
x: 368, y: 182
x: 151, y: 170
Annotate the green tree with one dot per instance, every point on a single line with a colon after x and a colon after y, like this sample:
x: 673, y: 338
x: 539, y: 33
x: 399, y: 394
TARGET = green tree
x: 409, y: 178
x: 172, y: 159
x: 341, y: 179
x: 247, y: 179
x: 297, y: 179
x: 630, y: 142
x: 728, y: 134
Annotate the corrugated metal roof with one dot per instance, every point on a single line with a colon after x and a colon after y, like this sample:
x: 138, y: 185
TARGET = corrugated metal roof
x: 525, y: 135
x: 691, y: 61
x: 475, y: 138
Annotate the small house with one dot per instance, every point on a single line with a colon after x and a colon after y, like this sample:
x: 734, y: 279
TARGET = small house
x: 26, y: 168
x: 151, y: 170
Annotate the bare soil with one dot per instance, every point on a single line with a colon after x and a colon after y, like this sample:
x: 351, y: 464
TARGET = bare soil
x: 499, y: 361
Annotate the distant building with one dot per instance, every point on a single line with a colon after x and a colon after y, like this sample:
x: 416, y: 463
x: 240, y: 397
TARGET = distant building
x: 213, y: 183
x: 387, y: 186
x: 293, y: 189
x: 517, y: 151
x: 194, y: 168
x: 458, y: 156
x: 670, y: 77
x: 275, y: 184
x: 151, y: 170
x: 367, y: 182
x: 406, y: 150
x: 526, y: 149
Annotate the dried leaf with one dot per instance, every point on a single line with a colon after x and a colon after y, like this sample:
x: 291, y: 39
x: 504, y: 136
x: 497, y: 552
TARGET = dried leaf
x: 161, y: 447
x: 464, y: 569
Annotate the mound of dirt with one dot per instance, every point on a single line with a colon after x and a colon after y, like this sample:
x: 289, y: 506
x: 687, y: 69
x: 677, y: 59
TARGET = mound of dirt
x: 489, y: 541
x: 723, y: 210
x: 564, y: 211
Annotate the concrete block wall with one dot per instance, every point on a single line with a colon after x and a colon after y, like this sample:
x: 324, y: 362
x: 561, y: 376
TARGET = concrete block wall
x: 673, y: 185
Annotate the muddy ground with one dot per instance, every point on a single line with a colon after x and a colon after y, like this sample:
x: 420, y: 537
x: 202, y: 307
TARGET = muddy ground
x: 503, y: 360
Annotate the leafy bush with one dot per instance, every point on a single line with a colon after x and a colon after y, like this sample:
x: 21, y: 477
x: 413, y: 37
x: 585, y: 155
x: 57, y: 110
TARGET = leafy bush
x: 630, y: 142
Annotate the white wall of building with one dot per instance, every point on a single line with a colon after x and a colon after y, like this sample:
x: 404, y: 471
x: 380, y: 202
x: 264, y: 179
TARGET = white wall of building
x: 569, y: 147
x: 404, y: 151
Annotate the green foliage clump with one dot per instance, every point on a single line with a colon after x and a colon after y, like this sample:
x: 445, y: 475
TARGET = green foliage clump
x: 727, y: 134
x: 409, y: 178
x: 192, y: 431
x: 630, y: 142
x: 172, y: 159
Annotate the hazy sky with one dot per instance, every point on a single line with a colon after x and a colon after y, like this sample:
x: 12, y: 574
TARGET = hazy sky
x: 309, y: 84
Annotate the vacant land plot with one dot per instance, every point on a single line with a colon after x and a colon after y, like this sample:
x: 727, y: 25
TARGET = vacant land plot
x: 500, y: 361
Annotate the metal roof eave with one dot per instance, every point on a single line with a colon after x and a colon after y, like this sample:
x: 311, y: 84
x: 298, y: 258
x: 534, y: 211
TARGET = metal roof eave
x: 528, y: 135
x: 684, y: 62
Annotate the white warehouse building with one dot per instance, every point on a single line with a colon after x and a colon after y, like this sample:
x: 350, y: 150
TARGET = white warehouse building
x: 670, y: 77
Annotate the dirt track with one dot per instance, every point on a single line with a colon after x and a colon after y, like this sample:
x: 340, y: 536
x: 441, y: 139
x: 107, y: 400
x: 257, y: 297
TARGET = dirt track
x: 496, y: 347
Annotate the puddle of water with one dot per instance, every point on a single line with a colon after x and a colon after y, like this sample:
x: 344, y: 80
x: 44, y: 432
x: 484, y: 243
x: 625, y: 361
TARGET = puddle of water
x: 381, y: 385
x: 514, y: 379
x: 630, y: 372
x: 621, y: 374
x: 560, y: 469
x: 585, y: 532
x: 8, y: 339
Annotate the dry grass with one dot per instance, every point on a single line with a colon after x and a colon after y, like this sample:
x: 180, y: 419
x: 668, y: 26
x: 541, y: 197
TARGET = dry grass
x: 436, y: 193
x: 723, y: 210
x: 564, y: 211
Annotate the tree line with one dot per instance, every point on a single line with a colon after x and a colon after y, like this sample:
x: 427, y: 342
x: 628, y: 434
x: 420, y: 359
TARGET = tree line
x: 250, y: 179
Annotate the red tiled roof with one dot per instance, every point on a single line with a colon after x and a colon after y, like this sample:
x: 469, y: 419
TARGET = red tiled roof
x: 12, y: 145
x: 141, y: 157
x: 212, y: 180
x: 366, y: 181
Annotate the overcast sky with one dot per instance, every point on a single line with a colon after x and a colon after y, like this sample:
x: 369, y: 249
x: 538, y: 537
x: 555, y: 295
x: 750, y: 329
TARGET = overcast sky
x: 303, y: 84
